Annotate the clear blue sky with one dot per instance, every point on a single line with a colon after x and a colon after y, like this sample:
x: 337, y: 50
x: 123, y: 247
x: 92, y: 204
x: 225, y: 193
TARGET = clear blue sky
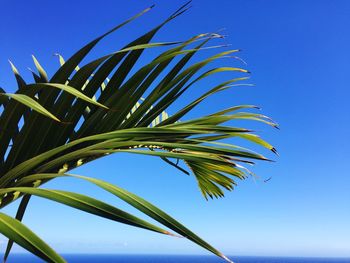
x: 299, y: 54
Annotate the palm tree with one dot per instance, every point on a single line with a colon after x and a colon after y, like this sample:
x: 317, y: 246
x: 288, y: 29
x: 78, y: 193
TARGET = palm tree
x: 84, y: 113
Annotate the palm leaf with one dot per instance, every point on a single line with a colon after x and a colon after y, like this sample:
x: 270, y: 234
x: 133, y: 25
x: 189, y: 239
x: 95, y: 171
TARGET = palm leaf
x: 132, y: 199
x: 87, y: 204
x: 106, y: 106
x: 23, y: 236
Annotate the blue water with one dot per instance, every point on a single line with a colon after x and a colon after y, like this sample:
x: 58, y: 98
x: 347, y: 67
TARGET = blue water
x: 18, y: 258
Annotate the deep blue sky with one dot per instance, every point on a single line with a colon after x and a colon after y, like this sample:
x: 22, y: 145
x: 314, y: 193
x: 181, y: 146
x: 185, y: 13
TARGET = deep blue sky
x: 298, y: 52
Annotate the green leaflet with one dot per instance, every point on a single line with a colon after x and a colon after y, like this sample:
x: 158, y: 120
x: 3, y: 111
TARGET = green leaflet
x: 181, y: 155
x: 23, y: 236
x: 31, y: 103
x: 216, y: 119
x: 69, y: 90
x: 157, y: 214
x: 256, y: 139
x: 20, y: 82
x: 140, y: 204
x: 41, y: 70
x: 87, y: 204
x: 19, y: 216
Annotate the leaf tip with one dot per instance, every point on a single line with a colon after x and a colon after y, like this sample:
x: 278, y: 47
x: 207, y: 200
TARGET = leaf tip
x: 256, y: 107
x: 12, y: 65
x: 172, y: 234
x: 273, y: 149
x: 105, y: 107
x: 226, y: 258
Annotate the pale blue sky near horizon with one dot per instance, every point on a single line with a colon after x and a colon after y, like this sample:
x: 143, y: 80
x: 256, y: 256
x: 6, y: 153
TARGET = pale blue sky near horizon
x: 298, y: 53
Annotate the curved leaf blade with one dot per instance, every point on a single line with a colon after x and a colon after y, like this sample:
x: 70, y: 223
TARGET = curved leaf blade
x: 140, y: 204
x: 19, y: 216
x: 31, y: 103
x: 68, y: 89
x: 23, y: 236
x: 87, y: 204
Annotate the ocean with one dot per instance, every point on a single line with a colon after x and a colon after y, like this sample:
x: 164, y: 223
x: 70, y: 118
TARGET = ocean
x: 23, y: 258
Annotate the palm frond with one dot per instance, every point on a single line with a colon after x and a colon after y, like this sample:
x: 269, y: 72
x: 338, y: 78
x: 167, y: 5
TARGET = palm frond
x: 106, y: 106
